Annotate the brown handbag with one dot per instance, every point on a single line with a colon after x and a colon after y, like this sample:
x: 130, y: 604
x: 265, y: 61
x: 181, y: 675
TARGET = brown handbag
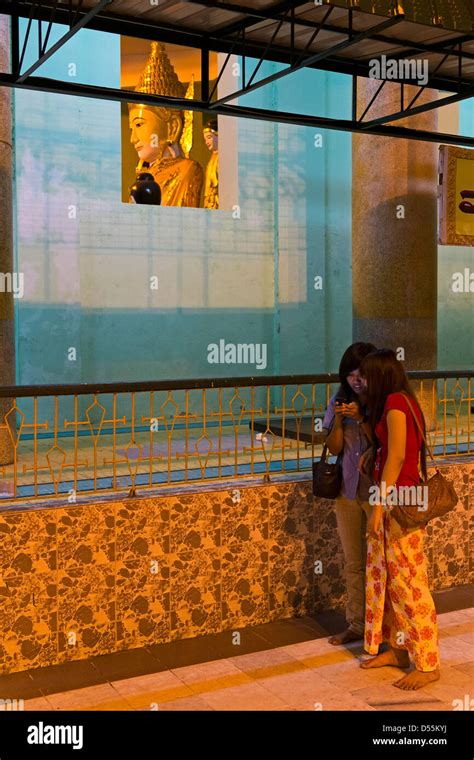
x: 442, y: 497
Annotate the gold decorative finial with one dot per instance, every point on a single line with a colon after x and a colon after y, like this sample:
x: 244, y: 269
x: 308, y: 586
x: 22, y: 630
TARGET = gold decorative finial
x: 159, y: 77
x: 186, y: 141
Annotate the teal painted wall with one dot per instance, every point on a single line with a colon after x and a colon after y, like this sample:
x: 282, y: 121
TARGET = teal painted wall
x: 242, y: 280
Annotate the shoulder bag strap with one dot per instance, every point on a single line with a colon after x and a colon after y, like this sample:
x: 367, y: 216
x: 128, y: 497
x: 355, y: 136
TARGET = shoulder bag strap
x: 322, y: 458
x: 326, y: 447
x: 405, y: 395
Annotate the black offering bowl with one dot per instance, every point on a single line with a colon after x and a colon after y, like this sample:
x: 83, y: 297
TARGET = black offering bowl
x: 146, y: 190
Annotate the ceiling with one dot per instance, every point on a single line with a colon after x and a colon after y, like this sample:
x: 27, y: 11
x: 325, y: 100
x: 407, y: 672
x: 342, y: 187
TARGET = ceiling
x: 279, y: 30
x: 344, y: 36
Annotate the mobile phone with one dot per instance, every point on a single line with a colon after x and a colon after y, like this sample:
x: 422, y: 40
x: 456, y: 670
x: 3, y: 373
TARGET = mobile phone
x: 340, y: 399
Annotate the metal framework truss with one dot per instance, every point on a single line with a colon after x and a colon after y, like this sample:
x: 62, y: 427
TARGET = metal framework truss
x: 36, y: 13
x: 233, y: 40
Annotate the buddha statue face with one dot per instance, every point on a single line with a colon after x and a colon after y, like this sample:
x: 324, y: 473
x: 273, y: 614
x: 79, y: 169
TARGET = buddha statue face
x: 211, y: 140
x: 153, y: 130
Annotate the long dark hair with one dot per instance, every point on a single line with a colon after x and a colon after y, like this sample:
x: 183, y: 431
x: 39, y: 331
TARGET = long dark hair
x: 385, y: 374
x: 351, y: 360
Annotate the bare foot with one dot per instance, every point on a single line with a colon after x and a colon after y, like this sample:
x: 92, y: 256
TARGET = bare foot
x: 396, y: 657
x: 345, y: 637
x: 417, y: 679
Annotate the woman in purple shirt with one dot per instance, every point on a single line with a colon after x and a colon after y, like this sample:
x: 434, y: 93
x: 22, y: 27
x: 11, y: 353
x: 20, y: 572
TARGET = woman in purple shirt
x: 349, y: 433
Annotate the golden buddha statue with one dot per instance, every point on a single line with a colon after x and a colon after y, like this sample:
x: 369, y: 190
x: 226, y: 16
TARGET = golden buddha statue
x: 157, y: 134
x: 211, y: 185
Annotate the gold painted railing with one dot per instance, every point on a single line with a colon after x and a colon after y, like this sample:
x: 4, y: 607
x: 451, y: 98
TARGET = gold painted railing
x: 68, y: 441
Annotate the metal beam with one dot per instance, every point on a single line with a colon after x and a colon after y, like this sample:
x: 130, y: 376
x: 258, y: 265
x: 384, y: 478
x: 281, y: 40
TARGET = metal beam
x: 146, y: 29
x: 250, y: 19
x: 15, y: 40
x: 80, y: 389
x: 409, y: 110
x: 205, y: 74
x: 269, y: 44
x: 62, y: 41
x: 265, y: 52
x: 270, y: 14
x: 373, y: 99
x: 206, y: 42
x: 43, y: 84
x: 446, y: 101
x: 312, y: 59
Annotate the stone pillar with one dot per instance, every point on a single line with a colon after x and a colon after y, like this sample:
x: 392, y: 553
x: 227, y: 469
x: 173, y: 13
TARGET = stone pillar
x: 394, y: 259
x: 7, y: 334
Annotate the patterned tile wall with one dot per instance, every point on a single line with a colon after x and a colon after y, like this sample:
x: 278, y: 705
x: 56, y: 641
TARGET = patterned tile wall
x: 93, y: 579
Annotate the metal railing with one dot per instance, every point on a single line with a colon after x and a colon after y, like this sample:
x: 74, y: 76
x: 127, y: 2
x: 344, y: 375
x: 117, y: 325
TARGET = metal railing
x: 66, y: 441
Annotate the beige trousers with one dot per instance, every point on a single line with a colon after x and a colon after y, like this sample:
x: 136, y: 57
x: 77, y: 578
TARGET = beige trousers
x: 352, y: 517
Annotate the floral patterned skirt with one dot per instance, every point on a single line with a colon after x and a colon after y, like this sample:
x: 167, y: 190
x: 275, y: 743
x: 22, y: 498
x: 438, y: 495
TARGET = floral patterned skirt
x: 399, y: 605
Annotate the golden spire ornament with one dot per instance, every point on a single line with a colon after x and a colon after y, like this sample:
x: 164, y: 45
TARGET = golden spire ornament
x: 159, y: 77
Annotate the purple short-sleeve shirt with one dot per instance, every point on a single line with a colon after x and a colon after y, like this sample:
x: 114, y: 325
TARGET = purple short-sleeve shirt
x: 355, y: 443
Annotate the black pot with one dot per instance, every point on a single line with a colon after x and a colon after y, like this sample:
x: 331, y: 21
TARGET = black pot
x: 146, y: 190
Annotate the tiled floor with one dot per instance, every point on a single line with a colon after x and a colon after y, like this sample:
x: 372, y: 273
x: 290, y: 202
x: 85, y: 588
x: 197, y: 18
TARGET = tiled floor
x: 287, y: 665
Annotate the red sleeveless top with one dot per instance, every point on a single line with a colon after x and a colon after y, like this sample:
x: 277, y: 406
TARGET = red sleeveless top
x: 409, y: 474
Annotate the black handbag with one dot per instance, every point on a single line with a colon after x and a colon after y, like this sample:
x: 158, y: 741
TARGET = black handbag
x: 327, y: 478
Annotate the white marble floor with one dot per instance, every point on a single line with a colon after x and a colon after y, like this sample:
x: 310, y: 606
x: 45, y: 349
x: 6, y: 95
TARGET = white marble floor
x: 312, y: 675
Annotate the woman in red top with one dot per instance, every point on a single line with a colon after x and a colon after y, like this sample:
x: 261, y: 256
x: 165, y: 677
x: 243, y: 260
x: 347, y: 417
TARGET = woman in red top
x: 399, y: 606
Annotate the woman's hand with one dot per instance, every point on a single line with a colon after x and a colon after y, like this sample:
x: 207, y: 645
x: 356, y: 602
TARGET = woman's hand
x: 366, y: 462
x: 374, y: 522
x: 353, y: 411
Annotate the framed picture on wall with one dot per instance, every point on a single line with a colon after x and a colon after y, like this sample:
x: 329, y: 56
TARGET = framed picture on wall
x: 456, y: 196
